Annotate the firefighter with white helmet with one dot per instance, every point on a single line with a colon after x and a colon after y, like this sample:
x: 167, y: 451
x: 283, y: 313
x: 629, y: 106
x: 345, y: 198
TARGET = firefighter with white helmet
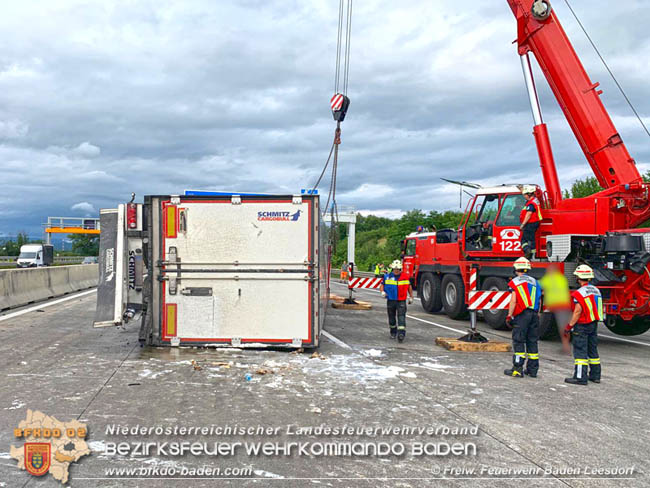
x: 524, y: 305
x: 587, y: 312
x: 396, y: 288
x: 530, y: 218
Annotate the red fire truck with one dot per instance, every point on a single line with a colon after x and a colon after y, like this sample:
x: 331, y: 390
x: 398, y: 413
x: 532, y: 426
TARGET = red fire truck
x: 600, y: 230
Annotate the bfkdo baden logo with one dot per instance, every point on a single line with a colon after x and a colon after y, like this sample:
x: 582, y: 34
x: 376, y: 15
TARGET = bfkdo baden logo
x: 279, y: 216
x: 50, y: 445
x: 37, y: 457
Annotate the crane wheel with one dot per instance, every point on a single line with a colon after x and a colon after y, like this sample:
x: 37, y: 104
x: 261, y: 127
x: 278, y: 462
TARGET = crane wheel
x: 547, y: 326
x: 495, y: 318
x: 429, y: 292
x: 636, y: 326
x: 453, y: 296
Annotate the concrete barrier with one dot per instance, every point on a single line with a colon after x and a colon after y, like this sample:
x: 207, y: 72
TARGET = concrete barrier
x: 22, y: 286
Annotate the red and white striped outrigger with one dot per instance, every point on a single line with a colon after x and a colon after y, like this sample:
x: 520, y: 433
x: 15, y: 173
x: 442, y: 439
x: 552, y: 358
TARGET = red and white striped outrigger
x: 485, y: 299
x: 366, y: 283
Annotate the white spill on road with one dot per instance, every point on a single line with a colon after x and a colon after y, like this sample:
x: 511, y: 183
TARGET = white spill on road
x: 372, y: 353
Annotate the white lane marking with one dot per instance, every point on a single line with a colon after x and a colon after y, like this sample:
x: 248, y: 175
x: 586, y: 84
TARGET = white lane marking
x: 437, y: 325
x: 421, y: 320
x: 335, y: 340
x: 462, y: 332
x: 624, y: 340
x: 44, y: 305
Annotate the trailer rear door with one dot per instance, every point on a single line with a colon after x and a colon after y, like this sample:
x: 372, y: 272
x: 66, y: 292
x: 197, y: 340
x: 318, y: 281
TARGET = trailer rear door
x: 237, y: 270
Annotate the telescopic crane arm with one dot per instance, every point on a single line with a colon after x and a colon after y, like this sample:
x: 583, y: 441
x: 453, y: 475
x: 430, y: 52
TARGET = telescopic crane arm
x: 540, y: 33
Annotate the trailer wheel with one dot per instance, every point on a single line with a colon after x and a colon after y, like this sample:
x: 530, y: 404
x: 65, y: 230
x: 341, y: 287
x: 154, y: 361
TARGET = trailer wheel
x: 636, y: 326
x: 429, y: 292
x: 547, y: 326
x: 453, y: 296
x: 495, y: 318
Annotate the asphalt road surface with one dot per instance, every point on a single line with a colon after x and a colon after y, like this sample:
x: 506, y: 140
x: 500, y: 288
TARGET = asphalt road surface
x: 531, y: 432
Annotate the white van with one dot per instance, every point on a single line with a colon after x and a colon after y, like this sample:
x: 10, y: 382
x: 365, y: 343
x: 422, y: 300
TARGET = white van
x: 33, y: 255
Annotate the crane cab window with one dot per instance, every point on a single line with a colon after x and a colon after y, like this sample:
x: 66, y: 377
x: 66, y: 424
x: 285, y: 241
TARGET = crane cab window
x: 509, y: 216
x: 478, y: 230
x: 410, y: 247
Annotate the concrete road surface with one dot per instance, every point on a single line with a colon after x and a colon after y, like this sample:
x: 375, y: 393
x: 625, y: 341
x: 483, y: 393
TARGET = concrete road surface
x: 506, y: 432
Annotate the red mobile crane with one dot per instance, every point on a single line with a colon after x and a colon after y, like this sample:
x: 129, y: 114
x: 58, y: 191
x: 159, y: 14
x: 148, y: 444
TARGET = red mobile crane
x: 598, y: 230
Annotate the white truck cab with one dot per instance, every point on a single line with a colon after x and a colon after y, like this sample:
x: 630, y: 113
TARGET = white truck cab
x: 34, y: 255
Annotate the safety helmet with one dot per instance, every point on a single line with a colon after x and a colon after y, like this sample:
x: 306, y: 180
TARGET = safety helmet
x: 526, y: 189
x: 584, y: 272
x: 396, y: 264
x: 522, y: 264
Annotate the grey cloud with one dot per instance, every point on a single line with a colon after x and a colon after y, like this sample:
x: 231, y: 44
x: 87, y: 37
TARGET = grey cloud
x: 101, y: 99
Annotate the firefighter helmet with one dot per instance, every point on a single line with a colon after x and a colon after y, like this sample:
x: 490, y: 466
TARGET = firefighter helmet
x: 528, y: 189
x: 396, y: 264
x: 584, y: 272
x: 522, y: 264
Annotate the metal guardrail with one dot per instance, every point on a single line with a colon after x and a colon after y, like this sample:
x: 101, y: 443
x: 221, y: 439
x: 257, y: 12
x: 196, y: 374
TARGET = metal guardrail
x: 11, y: 260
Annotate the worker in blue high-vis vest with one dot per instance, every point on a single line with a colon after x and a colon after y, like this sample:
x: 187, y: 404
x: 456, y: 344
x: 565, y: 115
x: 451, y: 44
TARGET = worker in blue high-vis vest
x: 396, y: 288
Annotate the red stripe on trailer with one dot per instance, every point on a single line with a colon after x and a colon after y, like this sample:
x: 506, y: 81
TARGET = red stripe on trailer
x: 336, y: 102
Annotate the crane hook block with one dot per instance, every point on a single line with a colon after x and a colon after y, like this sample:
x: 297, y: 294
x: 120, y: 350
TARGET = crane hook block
x: 339, y: 105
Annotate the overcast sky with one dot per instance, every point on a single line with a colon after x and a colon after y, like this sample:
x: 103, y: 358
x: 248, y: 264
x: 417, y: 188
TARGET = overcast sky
x: 102, y: 98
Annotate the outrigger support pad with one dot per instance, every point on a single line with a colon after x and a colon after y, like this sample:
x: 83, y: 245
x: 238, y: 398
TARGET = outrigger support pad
x: 473, y: 335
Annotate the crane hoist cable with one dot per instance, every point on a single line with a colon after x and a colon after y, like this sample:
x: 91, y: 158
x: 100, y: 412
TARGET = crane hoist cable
x: 620, y: 88
x: 339, y: 103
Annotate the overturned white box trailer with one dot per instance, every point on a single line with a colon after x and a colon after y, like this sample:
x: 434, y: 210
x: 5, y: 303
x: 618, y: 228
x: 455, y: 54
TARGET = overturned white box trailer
x: 216, y: 270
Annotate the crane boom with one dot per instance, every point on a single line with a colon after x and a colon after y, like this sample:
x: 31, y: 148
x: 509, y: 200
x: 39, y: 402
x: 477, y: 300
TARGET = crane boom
x: 540, y: 32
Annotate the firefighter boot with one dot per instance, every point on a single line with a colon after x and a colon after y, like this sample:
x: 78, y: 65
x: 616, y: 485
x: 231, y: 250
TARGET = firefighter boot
x: 579, y: 375
x: 393, y: 332
x: 515, y: 372
x: 401, y: 334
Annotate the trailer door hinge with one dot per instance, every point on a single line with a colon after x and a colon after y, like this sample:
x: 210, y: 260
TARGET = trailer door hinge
x: 175, y: 200
x: 172, y: 285
x: 235, y: 341
x: 296, y: 342
x: 235, y: 199
x: 297, y: 200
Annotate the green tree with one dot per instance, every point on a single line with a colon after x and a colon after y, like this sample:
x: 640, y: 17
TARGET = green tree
x: 12, y: 248
x: 646, y: 176
x: 377, y: 239
x: 85, y: 244
x: 583, y: 188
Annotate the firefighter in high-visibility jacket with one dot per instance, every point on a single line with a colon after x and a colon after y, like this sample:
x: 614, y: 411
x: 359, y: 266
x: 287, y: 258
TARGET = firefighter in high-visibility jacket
x: 525, y: 300
x: 587, y: 312
x: 530, y: 218
x: 396, y: 288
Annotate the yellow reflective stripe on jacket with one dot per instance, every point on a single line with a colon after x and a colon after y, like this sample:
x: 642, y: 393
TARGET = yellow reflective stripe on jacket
x: 404, y: 282
x: 524, y: 295
x: 601, y: 315
x: 390, y: 282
